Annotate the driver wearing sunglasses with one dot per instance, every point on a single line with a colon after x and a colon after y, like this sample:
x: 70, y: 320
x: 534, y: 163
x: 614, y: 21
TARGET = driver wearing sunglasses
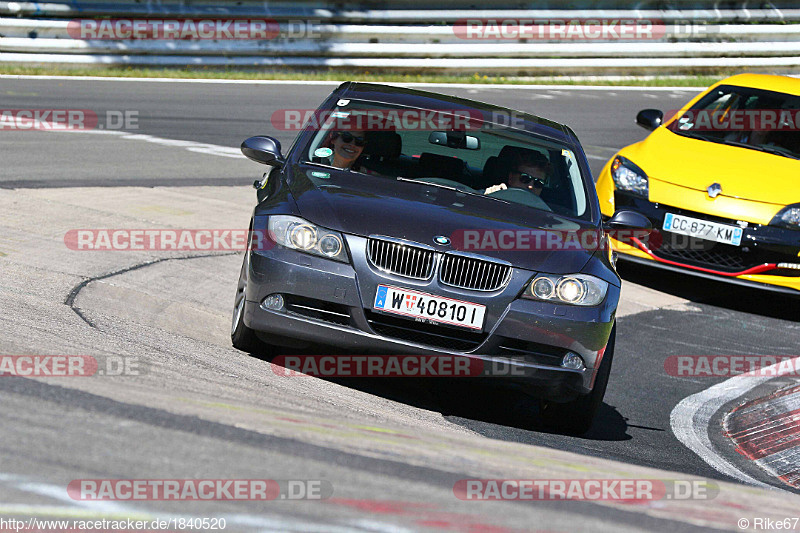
x: 347, y: 147
x: 529, y: 173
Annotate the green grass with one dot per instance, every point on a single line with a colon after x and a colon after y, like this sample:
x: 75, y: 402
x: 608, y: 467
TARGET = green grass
x: 361, y: 75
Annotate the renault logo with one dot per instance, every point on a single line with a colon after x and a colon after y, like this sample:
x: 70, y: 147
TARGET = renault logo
x: 441, y: 239
x: 713, y: 190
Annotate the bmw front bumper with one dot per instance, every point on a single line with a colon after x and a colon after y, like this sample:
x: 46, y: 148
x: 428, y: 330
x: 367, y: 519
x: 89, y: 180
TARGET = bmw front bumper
x: 330, y: 303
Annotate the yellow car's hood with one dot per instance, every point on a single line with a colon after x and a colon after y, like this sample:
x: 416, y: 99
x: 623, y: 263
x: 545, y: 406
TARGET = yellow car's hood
x: 695, y: 164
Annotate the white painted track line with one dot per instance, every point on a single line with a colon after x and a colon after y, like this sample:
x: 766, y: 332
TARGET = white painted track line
x: 690, y: 419
x: 202, y: 148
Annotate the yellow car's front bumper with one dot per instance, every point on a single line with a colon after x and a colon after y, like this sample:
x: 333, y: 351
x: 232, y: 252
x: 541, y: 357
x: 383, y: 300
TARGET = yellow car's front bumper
x: 768, y: 258
x: 787, y: 284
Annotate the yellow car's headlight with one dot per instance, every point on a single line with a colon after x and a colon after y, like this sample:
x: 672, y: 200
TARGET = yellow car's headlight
x: 629, y: 177
x: 788, y: 217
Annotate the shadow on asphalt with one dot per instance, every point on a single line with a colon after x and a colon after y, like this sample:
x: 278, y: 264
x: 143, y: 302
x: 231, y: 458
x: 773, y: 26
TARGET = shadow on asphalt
x: 717, y: 293
x: 515, y: 411
x: 496, y: 412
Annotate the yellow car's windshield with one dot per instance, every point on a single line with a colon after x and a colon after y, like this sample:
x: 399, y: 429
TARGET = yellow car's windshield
x: 749, y: 118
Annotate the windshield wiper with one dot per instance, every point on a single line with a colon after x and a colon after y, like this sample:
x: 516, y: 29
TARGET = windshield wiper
x: 447, y: 187
x: 763, y: 148
x: 693, y: 135
x: 323, y: 165
x: 738, y: 143
x: 439, y: 185
x: 779, y: 151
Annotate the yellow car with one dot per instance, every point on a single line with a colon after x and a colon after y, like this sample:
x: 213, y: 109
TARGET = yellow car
x: 720, y: 182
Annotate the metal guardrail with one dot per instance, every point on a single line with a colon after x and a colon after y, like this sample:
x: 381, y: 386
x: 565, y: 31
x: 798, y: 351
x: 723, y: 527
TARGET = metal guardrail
x: 315, y: 48
x: 405, y: 11
x: 436, y: 34
x: 405, y: 39
x: 499, y: 65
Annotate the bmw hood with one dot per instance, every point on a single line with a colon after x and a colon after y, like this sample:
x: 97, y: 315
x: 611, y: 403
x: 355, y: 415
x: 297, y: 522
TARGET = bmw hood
x: 363, y: 205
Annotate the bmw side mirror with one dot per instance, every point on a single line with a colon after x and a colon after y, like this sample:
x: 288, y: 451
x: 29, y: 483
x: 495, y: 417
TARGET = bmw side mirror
x: 649, y: 119
x: 625, y: 226
x: 628, y: 221
x: 264, y: 150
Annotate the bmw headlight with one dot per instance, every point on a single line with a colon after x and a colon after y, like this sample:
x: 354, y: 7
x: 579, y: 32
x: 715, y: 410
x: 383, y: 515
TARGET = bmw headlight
x: 298, y: 234
x: 788, y: 217
x: 573, y: 289
x: 629, y: 177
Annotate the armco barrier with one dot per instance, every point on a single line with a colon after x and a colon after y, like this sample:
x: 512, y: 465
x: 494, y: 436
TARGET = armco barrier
x: 408, y: 38
x: 314, y: 48
x: 408, y: 11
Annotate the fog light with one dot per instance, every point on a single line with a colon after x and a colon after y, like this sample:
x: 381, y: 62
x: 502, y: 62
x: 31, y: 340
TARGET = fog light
x: 573, y: 361
x: 273, y: 302
x: 789, y: 265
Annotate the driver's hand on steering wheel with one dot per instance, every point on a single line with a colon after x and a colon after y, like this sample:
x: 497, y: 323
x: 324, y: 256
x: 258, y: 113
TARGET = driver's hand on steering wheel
x: 495, y: 188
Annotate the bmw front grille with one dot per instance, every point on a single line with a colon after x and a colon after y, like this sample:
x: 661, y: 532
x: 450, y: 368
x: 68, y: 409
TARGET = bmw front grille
x: 398, y: 257
x: 413, y: 260
x: 468, y: 272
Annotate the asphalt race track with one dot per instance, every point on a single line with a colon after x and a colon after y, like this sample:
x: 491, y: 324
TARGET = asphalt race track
x: 390, y: 450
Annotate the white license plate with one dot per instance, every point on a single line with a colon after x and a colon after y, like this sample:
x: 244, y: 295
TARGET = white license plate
x: 703, y: 229
x: 427, y: 307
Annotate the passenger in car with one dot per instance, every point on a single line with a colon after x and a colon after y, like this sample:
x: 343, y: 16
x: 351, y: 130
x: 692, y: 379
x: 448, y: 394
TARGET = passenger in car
x: 530, y: 172
x: 349, y: 151
x: 347, y: 147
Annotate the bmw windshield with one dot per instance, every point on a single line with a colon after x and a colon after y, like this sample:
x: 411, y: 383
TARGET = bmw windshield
x: 452, y: 150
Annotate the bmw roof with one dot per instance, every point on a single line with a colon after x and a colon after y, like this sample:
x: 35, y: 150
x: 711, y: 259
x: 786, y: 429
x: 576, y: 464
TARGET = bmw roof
x: 428, y: 100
